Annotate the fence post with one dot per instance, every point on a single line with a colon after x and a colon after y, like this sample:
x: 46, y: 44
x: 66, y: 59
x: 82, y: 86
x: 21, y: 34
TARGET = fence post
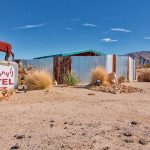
x: 114, y: 63
x: 128, y: 69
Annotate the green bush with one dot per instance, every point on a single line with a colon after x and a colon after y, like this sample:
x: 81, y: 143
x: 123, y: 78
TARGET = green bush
x: 71, y: 79
x: 121, y: 79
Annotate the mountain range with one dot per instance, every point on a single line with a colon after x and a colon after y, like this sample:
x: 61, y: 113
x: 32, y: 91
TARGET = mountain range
x: 141, y: 57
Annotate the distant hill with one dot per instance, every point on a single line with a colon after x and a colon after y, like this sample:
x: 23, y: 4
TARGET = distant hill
x: 141, y: 57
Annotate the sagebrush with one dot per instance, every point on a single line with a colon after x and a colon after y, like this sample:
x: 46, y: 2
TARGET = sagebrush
x: 71, y: 79
x: 38, y: 80
x: 121, y: 79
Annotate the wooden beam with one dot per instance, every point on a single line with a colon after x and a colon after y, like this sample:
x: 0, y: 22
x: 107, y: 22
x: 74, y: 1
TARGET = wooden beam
x: 114, y: 63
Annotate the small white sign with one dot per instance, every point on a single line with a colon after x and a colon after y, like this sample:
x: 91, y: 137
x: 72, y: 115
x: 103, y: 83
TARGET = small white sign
x: 7, y: 76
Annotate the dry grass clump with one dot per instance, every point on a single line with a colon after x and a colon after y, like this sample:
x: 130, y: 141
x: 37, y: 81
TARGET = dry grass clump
x: 144, y: 76
x: 145, y: 66
x: 38, y: 80
x: 100, y: 74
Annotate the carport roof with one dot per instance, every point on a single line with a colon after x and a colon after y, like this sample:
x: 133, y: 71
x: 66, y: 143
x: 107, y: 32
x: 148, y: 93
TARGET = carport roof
x: 72, y: 53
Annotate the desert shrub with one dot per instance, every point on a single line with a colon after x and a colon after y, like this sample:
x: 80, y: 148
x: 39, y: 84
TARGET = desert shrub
x: 112, y: 78
x: 144, y: 77
x: 145, y: 66
x: 121, y: 79
x: 30, y: 68
x: 38, y: 80
x: 71, y: 79
x: 99, y: 73
x: 20, y: 68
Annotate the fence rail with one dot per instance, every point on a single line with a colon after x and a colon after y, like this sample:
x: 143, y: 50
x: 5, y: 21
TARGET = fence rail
x: 41, y: 64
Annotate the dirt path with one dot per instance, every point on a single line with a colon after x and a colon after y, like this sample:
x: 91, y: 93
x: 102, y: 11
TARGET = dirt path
x: 69, y: 118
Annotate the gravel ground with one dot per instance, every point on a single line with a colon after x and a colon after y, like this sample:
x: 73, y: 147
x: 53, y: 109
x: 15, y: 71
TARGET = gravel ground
x: 76, y: 118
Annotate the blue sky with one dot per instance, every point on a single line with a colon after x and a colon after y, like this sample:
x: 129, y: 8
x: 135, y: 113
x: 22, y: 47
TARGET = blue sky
x: 42, y: 27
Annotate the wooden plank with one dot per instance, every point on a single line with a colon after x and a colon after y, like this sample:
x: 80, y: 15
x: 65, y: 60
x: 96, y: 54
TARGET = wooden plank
x: 114, y: 64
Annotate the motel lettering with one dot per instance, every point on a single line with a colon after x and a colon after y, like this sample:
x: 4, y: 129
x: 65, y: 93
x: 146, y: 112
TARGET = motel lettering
x: 6, y: 76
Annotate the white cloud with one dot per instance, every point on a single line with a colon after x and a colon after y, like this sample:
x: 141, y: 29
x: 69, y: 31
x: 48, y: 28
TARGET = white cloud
x: 108, y: 40
x: 120, y: 30
x: 69, y: 29
x: 147, y: 37
x: 89, y: 25
x: 31, y: 26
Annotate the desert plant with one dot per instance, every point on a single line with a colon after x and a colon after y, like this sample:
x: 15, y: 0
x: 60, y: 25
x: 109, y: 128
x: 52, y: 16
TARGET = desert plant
x: 38, y: 80
x: 20, y: 68
x: 71, y: 79
x: 30, y: 68
x: 100, y: 74
x: 112, y: 78
x: 145, y: 66
x: 144, y: 77
x: 121, y: 79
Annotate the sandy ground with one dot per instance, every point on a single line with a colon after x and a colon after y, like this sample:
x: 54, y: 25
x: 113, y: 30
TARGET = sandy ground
x: 69, y: 118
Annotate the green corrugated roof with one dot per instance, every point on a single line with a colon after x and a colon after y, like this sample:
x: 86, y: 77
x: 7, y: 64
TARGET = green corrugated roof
x: 72, y: 53
x: 82, y: 51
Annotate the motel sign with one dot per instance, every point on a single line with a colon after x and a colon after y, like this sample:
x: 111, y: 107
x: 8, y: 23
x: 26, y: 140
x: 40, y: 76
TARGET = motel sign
x: 8, y: 76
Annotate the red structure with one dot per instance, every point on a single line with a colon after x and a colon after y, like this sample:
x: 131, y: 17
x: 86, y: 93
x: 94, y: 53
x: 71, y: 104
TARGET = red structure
x: 6, y: 47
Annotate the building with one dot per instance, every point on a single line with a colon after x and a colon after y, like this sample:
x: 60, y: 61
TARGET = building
x: 82, y: 62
